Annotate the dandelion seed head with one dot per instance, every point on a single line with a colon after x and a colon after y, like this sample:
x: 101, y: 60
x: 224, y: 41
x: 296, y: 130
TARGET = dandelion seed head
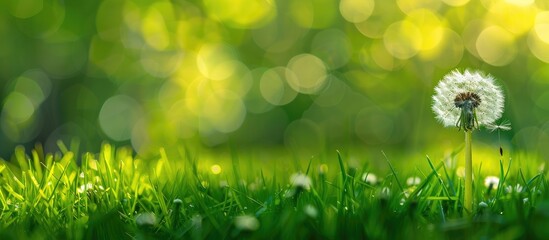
x: 310, y: 210
x: 516, y: 189
x: 84, y: 187
x: 491, y: 182
x: 369, y: 178
x: 413, y: 181
x: 300, y: 180
x: 469, y: 88
x: 385, y: 192
x: 246, y: 223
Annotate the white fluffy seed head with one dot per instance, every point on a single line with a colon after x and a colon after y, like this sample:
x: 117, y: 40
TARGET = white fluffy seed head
x: 456, y: 82
x: 300, y: 180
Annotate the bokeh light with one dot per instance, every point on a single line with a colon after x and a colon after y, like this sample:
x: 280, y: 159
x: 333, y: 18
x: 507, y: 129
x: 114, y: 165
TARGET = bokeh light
x: 307, y: 73
x: 496, y: 46
x: 26, y: 8
x: 274, y: 87
x: 300, y: 74
x: 305, y: 138
x: 17, y: 108
x: 38, y: 21
x: 241, y: 13
x: 403, y: 39
x: 118, y: 116
x: 541, y: 27
x: 216, y: 169
x: 313, y: 13
x: 456, y: 3
x: 332, y: 47
x: 356, y: 11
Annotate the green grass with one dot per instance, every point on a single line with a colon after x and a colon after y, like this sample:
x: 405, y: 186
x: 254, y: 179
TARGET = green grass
x: 115, y: 195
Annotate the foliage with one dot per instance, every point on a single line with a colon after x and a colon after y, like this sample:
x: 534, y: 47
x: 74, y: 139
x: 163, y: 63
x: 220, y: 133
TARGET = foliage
x: 116, y: 195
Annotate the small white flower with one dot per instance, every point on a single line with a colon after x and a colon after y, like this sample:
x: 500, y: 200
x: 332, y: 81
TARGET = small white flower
x: 516, y: 189
x: 310, y: 210
x: 385, y: 192
x: 467, y: 100
x: 246, y: 223
x: 491, y: 182
x: 413, y: 181
x: 369, y: 178
x: 300, y: 180
x: 84, y: 187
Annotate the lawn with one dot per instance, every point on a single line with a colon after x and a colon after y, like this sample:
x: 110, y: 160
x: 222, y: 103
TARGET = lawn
x: 268, y: 119
x: 115, y: 194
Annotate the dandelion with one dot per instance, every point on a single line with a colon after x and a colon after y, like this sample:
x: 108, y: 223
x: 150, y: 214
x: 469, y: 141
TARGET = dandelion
x: 413, y: 181
x: 468, y: 101
x: 310, y: 211
x: 84, y: 187
x: 176, y: 212
x: 516, y: 189
x: 385, y: 193
x: 491, y: 182
x: 369, y: 178
x: 301, y: 181
x: 246, y: 223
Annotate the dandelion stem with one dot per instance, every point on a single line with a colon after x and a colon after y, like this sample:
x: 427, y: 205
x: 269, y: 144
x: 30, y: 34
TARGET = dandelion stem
x: 468, y: 198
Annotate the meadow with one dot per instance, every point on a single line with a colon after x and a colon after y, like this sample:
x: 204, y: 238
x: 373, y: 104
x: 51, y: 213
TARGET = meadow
x: 114, y: 194
x: 266, y: 119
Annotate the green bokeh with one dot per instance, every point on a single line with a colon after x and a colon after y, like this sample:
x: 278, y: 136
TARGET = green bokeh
x: 306, y: 75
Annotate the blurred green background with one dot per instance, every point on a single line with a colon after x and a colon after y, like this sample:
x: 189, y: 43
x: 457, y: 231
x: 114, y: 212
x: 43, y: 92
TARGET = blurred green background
x: 305, y: 75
